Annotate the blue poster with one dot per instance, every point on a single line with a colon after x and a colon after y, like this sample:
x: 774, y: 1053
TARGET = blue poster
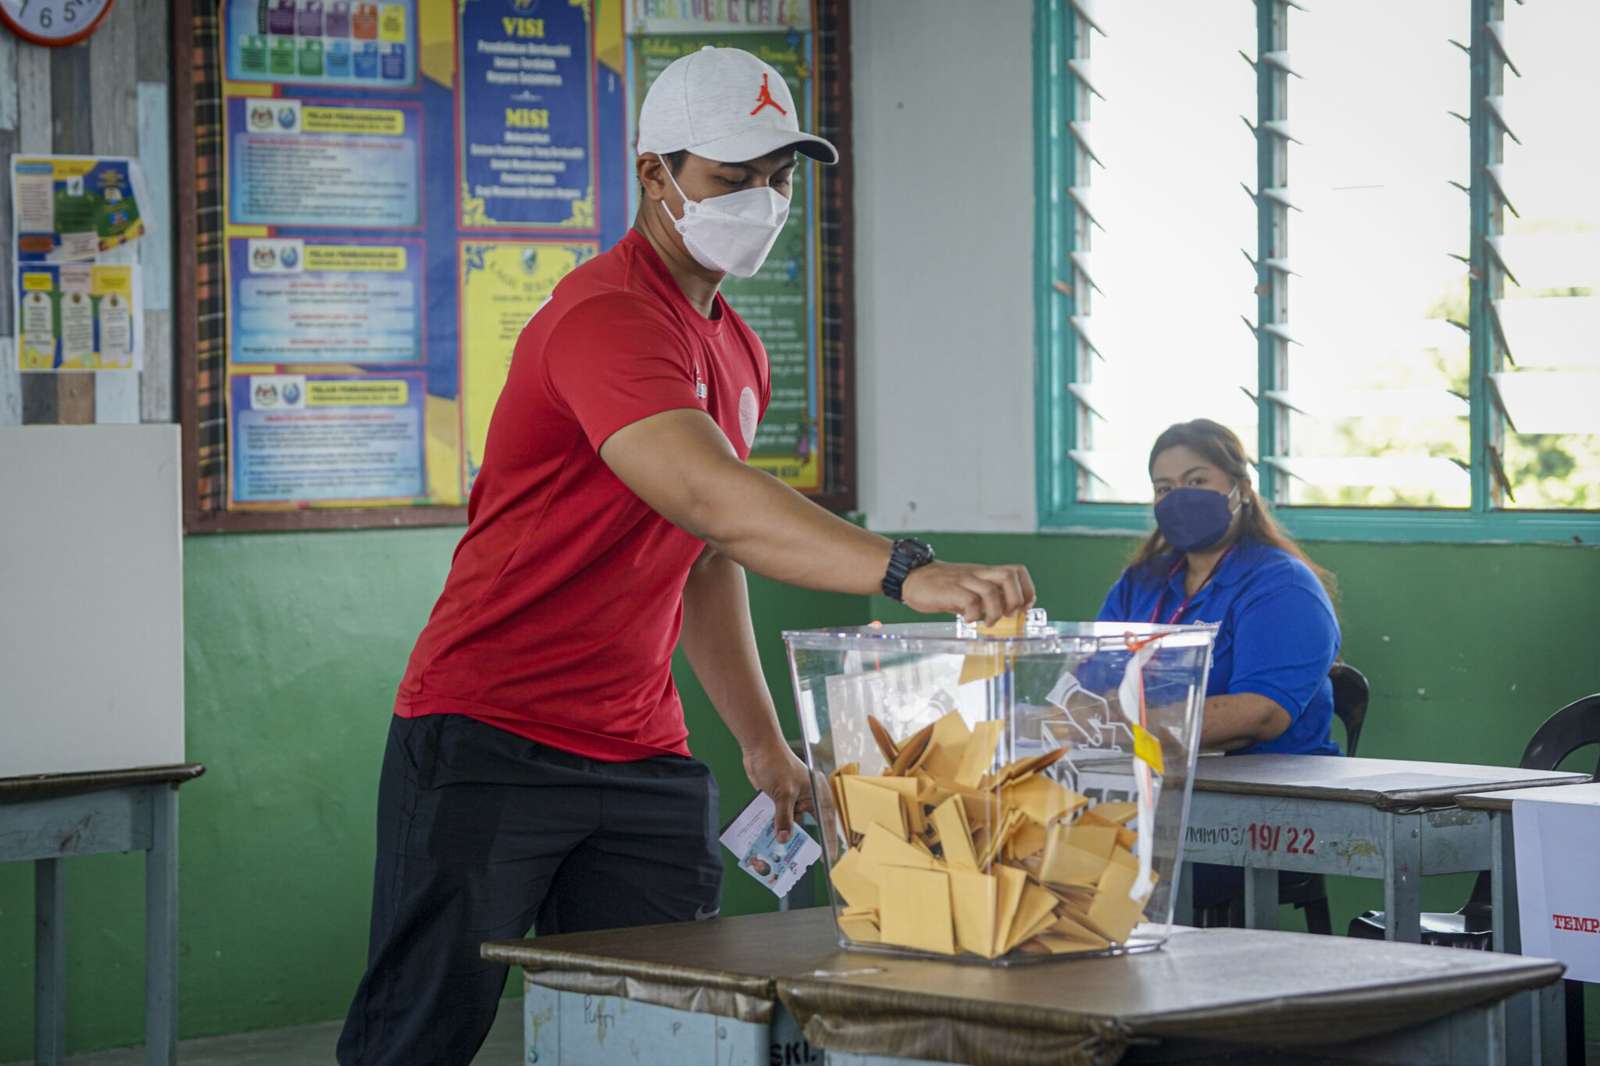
x: 297, y: 162
x: 358, y: 43
x: 336, y: 300
x: 359, y: 179
x: 322, y: 438
x: 526, y: 105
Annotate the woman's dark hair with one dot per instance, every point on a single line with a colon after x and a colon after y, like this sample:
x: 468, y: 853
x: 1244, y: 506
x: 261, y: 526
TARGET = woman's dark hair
x: 1221, y: 447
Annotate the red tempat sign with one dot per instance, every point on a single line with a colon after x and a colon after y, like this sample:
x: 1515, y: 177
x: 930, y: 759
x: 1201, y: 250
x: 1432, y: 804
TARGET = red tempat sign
x: 1574, y: 923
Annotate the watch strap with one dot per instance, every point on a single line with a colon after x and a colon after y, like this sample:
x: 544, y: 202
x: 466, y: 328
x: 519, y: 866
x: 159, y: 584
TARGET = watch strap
x: 908, y: 554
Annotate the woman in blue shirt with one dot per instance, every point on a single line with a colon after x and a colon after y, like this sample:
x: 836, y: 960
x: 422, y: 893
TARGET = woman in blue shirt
x: 1218, y: 556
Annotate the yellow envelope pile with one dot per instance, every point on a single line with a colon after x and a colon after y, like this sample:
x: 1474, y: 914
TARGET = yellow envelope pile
x: 946, y: 857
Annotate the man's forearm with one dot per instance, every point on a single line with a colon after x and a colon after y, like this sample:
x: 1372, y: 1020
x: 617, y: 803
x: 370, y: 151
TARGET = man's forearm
x: 721, y: 647
x: 681, y: 464
x: 767, y: 527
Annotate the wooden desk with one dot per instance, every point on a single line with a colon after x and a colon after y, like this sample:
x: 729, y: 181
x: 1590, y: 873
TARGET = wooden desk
x: 50, y: 818
x: 1256, y: 995
x: 1389, y: 819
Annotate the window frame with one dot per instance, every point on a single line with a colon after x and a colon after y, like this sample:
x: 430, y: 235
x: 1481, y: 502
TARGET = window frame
x: 1063, y: 31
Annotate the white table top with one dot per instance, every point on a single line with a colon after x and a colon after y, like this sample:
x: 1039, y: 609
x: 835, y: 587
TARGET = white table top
x: 1586, y: 795
x: 1375, y: 782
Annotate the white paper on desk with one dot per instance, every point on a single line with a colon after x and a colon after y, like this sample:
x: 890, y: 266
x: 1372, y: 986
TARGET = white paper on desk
x: 753, y: 839
x: 1558, y: 883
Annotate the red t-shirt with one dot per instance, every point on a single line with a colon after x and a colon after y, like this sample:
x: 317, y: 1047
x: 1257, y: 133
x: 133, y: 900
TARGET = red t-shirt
x: 565, y: 597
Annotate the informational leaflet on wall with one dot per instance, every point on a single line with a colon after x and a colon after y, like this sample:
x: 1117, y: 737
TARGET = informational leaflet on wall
x: 309, y: 163
x: 502, y: 284
x: 717, y: 16
x: 311, y: 300
x: 1558, y: 867
x: 527, y: 115
x: 323, y: 42
x: 78, y: 292
x: 781, y: 302
x: 326, y: 437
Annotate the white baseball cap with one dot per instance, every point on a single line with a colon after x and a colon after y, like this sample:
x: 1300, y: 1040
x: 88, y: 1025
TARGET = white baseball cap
x: 725, y: 105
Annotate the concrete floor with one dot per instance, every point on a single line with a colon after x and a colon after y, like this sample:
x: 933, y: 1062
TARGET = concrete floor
x: 306, y: 1045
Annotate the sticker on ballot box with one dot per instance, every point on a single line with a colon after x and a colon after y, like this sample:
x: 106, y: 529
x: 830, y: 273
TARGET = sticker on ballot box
x: 753, y: 838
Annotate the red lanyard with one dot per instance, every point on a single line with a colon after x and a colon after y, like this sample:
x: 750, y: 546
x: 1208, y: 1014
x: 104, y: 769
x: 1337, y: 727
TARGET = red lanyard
x: 1184, y: 606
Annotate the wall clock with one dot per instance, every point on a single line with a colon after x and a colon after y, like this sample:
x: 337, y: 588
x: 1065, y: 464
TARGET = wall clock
x: 53, y: 22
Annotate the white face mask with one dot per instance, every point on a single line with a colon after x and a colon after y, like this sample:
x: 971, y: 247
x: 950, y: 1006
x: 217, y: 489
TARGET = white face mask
x: 730, y: 234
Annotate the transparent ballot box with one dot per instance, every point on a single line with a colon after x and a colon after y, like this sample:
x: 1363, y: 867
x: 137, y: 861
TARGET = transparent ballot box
x: 1005, y: 794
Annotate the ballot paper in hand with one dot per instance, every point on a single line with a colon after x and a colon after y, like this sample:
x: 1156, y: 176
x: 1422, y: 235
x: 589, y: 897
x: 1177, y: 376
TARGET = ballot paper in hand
x: 753, y: 839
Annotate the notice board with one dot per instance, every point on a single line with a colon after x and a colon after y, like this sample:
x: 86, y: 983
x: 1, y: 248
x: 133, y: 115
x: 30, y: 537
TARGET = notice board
x: 386, y: 190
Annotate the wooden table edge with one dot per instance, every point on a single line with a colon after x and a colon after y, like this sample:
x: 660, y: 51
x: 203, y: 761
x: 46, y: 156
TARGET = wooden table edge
x: 42, y: 786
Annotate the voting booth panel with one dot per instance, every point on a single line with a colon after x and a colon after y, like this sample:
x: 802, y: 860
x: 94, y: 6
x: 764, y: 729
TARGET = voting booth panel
x: 1006, y: 793
x: 1557, y: 846
x: 91, y: 613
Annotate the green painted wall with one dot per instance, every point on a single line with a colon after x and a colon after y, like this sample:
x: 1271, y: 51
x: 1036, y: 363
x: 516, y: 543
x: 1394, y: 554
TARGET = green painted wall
x: 295, y: 643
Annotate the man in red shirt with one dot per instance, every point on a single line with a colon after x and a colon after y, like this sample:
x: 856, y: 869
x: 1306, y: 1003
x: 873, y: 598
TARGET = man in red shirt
x: 537, y: 771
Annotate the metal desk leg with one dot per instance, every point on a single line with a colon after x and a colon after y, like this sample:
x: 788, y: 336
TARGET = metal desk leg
x: 161, y: 931
x: 1260, y: 898
x: 1503, y: 884
x: 50, y: 964
x: 1495, y: 1038
x: 1550, y: 1015
x: 1521, y: 1011
x: 1183, y: 910
x: 1402, y: 879
x: 1473, y: 1037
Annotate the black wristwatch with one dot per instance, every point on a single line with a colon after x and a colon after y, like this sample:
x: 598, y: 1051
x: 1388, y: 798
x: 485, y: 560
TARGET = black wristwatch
x: 909, y: 553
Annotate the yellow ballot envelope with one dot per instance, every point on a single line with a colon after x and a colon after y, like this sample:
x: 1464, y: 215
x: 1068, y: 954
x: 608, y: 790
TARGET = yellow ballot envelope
x: 956, y: 857
x: 1002, y: 793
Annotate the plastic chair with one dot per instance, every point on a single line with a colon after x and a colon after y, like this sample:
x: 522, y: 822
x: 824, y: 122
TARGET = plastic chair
x: 1351, y: 694
x: 1308, y: 893
x: 1577, y: 725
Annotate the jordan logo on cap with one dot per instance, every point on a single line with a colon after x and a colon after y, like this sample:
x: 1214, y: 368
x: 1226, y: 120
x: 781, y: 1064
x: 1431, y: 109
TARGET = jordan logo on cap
x: 764, y: 99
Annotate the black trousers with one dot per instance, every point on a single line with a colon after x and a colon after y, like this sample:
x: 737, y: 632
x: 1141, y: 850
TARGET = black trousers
x: 482, y: 835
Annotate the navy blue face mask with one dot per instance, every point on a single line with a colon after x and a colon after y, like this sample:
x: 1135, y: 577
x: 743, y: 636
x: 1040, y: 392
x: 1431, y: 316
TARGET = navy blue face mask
x: 1194, y: 519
